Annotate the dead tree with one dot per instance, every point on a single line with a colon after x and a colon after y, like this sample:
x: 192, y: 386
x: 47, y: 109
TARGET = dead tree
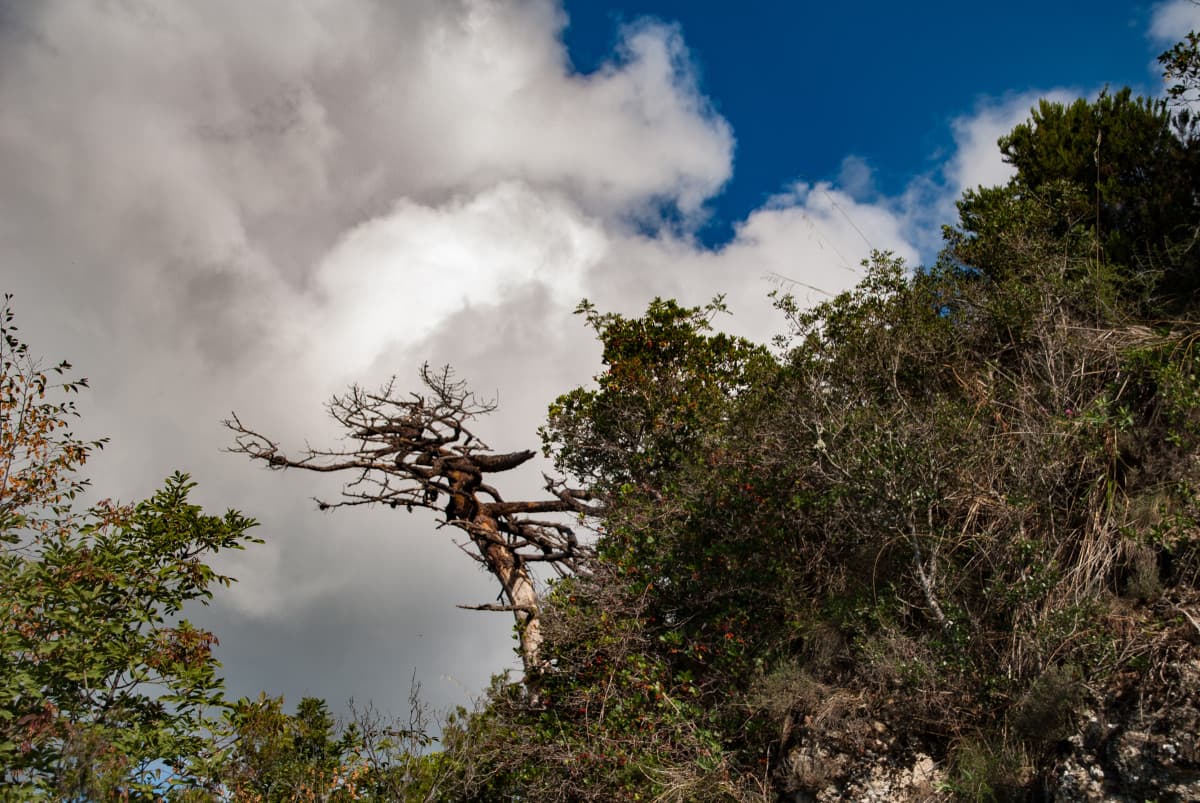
x: 416, y: 451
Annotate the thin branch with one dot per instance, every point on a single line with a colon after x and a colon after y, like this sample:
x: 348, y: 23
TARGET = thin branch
x: 491, y: 606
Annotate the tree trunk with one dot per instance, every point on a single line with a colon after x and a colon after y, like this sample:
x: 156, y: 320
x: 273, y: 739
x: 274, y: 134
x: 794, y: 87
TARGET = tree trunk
x: 521, y: 594
x: 505, y: 565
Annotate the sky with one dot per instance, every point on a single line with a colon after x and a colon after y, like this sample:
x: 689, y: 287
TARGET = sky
x: 228, y: 206
x: 889, y: 76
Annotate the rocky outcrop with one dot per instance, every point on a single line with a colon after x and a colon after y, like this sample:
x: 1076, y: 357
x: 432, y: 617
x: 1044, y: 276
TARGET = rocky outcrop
x: 844, y: 778
x: 1142, y: 745
x: 842, y: 753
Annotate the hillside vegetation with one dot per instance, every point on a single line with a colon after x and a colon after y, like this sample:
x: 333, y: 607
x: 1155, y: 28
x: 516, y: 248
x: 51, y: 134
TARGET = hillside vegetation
x: 916, y: 548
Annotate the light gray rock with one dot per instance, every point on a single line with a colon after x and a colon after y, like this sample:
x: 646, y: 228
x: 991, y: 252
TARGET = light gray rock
x: 1142, y: 746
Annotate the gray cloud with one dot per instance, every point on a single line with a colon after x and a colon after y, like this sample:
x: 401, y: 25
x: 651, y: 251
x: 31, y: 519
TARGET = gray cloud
x: 248, y: 205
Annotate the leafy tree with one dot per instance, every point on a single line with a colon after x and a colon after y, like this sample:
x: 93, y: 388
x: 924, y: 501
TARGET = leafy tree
x: 38, y: 452
x: 1122, y: 169
x: 278, y: 756
x: 668, y: 379
x: 309, y: 756
x: 1181, y: 64
x: 99, y: 675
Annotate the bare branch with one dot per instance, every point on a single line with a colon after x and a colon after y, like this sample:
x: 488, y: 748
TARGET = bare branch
x: 495, y: 607
x: 416, y: 450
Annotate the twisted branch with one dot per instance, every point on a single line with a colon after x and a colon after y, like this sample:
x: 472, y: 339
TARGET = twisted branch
x: 418, y: 451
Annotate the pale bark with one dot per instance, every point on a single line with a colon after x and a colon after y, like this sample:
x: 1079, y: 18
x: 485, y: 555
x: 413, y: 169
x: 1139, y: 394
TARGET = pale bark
x: 523, y: 597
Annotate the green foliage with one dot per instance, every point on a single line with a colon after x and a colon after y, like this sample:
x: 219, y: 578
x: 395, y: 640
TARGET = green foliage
x: 614, y: 721
x: 1181, y: 64
x: 97, y: 664
x: 277, y: 756
x: 668, y: 379
x: 99, y: 675
x: 38, y: 453
x: 309, y: 756
x: 1121, y: 171
x: 986, y: 772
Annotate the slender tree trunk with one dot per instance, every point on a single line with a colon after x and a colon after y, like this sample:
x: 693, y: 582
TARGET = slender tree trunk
x: 505, y: 564
x: 522, y: 595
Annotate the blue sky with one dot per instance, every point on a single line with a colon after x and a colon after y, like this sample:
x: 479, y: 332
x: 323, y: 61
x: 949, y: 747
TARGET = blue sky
x: 216, y: 205
x: 805, y: 84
